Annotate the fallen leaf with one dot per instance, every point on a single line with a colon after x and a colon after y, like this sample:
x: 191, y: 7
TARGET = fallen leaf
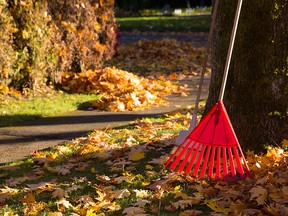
x: 133, y: 211
x: 137, y: 155
x: 141, y: 193
x: 213, y: 204
x: 124, y: 193
x: 59, y: 192
x: 260, y: 194
x: 4, y: 197
x: 182, y: 204
x: 63, y: 202
x: 29, y: 198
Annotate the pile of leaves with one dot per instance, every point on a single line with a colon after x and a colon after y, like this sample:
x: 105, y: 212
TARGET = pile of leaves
x: 165, y: 54
x: 120, y: 172
x: 120, y: 90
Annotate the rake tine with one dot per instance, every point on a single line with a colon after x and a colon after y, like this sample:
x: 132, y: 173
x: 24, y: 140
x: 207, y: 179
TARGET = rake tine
x: 178, y: 158
x: 239, y: 166
x: 218, y: 163
x: 212, y: 156
x: 192, y: 160
x: 244, y: 162
x: 225, y: 171
x: 231, y: 163
x: 199, y: 161
x: 182, y: 165
x: 176, y: 152
x: 202, y: 174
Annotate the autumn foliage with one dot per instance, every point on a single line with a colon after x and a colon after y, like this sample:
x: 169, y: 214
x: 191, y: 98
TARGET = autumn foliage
x: 41, y: 38
x: 120, y: 90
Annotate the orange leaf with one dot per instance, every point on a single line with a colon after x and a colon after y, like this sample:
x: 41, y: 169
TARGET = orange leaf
x: 30, y: 198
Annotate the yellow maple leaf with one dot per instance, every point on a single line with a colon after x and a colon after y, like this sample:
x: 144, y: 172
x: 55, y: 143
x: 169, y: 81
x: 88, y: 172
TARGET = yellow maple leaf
x: 137, y: 155
x: 213, y: 204
x: 90, y: 212
x: 141, y: 193
x: 149, y: 167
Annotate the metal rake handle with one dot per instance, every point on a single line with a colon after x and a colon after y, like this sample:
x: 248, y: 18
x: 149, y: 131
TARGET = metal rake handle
x: 230, y: 49
x: 207, y: 51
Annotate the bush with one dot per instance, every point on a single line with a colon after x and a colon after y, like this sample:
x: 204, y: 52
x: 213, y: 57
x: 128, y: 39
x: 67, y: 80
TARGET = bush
x: 7, y: 53
x: 87, y: 33
x: 41, y: 38
x: 32, y: 43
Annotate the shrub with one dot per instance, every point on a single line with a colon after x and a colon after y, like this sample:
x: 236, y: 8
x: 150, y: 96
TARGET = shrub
x: 7, y: 53
x: 41, y: 38
x: 87, y: 33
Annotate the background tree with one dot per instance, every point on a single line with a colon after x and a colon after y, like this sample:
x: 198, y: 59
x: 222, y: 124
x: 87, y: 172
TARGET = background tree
x: 256, y: 94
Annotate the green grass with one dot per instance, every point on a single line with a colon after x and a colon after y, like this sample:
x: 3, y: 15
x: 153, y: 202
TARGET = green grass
x: 166, y: 23
x: 14, y: 111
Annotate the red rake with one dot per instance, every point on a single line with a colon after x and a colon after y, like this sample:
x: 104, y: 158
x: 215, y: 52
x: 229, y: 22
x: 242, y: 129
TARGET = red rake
x: 213, y: 143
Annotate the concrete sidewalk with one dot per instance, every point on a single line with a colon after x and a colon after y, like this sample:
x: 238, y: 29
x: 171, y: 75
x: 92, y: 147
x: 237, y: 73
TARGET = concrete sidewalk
x: 19, y: 142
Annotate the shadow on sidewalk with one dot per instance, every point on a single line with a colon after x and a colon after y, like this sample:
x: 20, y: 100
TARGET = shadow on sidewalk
x: 67, y: 127
x: 96, y: 117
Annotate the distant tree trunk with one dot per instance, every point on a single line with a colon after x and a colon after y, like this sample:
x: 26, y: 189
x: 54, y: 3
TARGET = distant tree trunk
x: 188, y: 4
x: 256, y: 96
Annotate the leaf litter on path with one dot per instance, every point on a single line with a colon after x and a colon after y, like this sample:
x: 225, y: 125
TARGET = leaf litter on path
x: 167, y: 61
x: 164, y: 55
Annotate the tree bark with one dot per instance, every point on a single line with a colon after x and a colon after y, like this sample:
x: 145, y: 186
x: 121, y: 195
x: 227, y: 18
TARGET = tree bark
x: 256, y: 94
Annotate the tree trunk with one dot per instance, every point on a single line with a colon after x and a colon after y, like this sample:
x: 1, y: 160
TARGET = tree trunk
x: 256, y: 95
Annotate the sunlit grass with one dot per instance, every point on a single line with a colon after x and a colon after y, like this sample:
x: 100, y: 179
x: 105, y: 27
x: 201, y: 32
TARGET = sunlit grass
x: 171, y: 23
x: 13, y: 111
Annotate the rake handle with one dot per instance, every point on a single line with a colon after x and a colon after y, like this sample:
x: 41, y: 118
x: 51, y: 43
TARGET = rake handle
x: 230, y: 49
x: 207, y: 51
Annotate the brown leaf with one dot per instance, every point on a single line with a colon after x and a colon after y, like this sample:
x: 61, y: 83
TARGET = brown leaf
x: 259, y: 194
x: 60, y: 193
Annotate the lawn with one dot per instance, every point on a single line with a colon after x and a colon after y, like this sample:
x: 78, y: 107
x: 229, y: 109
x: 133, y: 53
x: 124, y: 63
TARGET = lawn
x: 196, y: 23
x: 18, y: 109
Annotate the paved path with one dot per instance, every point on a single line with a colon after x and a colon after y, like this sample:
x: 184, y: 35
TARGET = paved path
x: 19, y: 142
x: 198, y: 39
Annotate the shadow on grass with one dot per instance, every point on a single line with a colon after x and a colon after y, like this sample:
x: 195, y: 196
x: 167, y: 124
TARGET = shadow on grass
x: 12, y: 120
x: 87, y: 117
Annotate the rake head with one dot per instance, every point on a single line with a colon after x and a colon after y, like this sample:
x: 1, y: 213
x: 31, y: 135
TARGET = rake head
x: 212, y: 144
